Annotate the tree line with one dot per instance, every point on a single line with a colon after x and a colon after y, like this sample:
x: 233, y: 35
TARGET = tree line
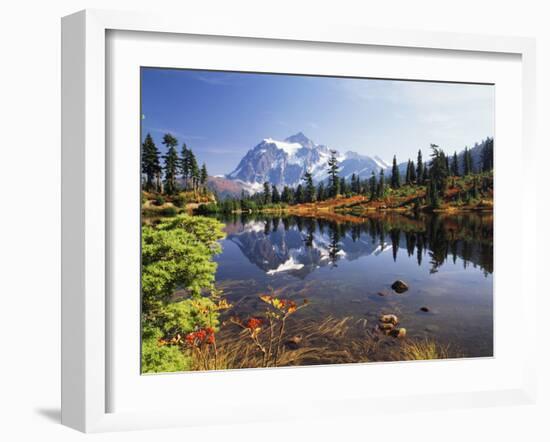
x: 435, y: 174
x: 160, y: 173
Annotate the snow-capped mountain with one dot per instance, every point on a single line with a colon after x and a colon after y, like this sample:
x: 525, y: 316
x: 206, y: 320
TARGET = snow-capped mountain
x: 283, y: 163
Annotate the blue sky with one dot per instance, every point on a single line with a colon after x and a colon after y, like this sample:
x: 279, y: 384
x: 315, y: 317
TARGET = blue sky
x: 221, y: 115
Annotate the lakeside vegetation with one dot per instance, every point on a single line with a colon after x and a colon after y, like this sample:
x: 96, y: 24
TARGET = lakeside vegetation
x: 440, y: 183
x: 187, y: 322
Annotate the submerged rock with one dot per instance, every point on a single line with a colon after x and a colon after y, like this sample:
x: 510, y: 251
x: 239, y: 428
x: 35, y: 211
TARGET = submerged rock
x: 386, y: 326
x: 389, y: 319
x: 424, y: 309
x: 399, y: 333
x: 400, y: 286
x: 382, y: 293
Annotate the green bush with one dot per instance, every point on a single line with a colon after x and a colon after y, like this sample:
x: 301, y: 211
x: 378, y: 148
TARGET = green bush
x: 176, y: 254
x: 159, y: 200
x: 169, y: 211
x: 158, y: 358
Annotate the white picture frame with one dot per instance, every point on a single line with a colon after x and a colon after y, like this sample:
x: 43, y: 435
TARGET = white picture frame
x: 85, y: 199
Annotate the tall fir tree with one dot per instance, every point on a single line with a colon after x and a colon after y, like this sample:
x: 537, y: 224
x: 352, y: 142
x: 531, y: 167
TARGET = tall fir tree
x: 171, y: 163
x: 275, y: 195
x: 467, y: 162
x: 419, y: 167
x: 309, y: 187
x: 321, y: 191
x: 194, y: 171
x: 150, y: 162
x: 381, y: 188
x: 413, y: 173
x: 333, y: 170
x: 487, y: 155
x: 439, y: 172
x: 299, y: 194
x: 203, y: 176
x: 267, y: 193
x: 287, y: 195
x: 184, y: 165
x: 395, y: 178
x: 372, y: 186
x: 454, y: 165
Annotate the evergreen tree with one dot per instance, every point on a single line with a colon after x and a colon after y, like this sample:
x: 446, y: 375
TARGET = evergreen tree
x: 413, y: 173
x: 333, y: 170
x: 372, y: 186
x: 185, y: 167
x: 171, y: 162
x: 467, y: 160
x: 150, y: 164
x: 344, y: 186
x: 321, y: 192
x: 194, y: 171
x: 267, y: 193
x: 299, y: 194
x: 287, y: 196
x: 203, y: 176
x: 309, y: 188
x: 425, y: 173
x: 380, y: 190
x: 355, y: 184
x: 487, y: 156
x: 275, y: 195
x: 395, y: 178
x: 420, y: 167
x: 438, y: 172
x: 454, y: 165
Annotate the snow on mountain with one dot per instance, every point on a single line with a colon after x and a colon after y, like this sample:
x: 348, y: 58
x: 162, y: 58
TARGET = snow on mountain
x: 283, y: 163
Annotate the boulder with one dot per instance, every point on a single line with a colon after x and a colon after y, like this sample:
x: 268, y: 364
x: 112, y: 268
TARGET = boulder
x: 389, y: 319
x: 400, y: 286
x: 424, y: 309
x: 399, y: 333
x: 386, y: 326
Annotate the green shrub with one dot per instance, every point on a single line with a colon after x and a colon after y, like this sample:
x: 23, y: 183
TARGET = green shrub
x: 158, y: 358
x: 159, y: 200
x: 169, y: 211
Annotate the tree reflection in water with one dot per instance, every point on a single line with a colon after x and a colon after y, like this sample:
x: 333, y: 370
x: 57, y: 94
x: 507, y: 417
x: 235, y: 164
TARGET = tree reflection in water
x: 269, y: 241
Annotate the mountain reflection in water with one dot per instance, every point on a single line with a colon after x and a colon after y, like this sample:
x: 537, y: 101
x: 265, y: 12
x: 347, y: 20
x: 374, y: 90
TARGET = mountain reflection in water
x: 299, y: 245
x: 345, y: 265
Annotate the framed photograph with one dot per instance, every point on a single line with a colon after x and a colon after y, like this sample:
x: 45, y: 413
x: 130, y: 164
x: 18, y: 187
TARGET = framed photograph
x: 319, y: 216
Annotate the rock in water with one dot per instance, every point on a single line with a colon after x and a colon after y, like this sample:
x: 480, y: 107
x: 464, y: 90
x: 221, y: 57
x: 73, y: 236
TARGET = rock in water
x: 399, y: 333
x: 424, y: 309
x: 386, y: 326
x: 400, y: 286
x: 389, y: 319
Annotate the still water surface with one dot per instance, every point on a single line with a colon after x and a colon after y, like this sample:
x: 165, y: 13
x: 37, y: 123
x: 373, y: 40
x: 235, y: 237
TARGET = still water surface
x: 343, y: 264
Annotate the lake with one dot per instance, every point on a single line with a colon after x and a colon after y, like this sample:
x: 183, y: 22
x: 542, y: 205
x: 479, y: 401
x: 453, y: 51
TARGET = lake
x: 345, y: 266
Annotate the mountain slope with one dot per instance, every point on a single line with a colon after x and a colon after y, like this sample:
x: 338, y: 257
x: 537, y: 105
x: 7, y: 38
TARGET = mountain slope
x: 283, y: 163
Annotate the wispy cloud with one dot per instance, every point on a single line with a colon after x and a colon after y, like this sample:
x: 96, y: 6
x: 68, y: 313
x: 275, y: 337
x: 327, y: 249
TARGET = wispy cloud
x: 214, y: 79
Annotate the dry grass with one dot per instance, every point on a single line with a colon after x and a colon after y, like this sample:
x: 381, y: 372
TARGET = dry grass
x: 333, y: 341
x: 421, y: 350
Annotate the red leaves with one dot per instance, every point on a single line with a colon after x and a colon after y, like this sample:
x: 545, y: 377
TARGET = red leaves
x: 200, y: 337
x: 253, y: 323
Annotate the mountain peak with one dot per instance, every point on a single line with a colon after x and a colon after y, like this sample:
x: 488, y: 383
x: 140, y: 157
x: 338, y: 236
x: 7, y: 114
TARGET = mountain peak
x: 301, y: 139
